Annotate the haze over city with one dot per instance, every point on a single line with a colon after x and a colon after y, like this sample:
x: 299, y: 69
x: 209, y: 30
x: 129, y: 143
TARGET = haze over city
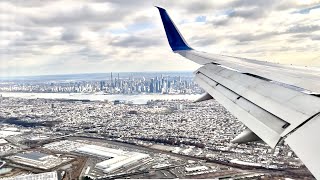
x: 67, y: 37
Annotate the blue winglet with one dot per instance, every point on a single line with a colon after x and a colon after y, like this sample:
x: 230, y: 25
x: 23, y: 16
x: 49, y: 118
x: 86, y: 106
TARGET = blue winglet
x: 175, y: 39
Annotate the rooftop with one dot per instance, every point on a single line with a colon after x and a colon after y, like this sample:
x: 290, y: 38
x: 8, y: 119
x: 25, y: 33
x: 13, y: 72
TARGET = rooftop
x: 33, y: 155
x: 42, y: 176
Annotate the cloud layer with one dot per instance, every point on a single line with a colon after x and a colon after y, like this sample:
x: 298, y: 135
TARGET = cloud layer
x: 67, y: 36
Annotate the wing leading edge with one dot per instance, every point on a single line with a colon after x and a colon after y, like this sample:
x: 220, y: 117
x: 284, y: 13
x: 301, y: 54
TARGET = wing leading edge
x: 274, y: 101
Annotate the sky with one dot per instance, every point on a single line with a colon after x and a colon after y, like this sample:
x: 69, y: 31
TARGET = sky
x: 44, y: 37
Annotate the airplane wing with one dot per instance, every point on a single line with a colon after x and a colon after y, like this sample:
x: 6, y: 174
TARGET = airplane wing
x: 274, y: 101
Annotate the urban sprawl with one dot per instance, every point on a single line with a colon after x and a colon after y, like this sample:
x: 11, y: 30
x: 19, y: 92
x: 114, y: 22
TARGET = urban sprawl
x: 71, y: 139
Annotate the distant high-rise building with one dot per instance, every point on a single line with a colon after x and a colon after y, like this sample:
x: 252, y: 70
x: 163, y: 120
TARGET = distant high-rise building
x: 152, y: 86
x: 118, y: 82
x: 111, y: 80
x: 102, y: 85
x: 157, y: 85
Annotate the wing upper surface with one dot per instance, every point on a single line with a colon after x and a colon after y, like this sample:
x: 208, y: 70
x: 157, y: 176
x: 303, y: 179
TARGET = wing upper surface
x: 303, y: 78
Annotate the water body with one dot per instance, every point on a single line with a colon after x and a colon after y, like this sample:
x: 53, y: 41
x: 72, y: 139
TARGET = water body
x: 136, y: 99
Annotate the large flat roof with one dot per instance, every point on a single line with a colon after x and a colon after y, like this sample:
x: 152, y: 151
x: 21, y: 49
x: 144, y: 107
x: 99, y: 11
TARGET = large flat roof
x: 100, y: 151
x: 32, y: 155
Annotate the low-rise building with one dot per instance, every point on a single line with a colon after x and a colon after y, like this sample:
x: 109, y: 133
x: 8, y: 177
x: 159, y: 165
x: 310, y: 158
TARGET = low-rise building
x: 3, y: 142
x: 42, y: 176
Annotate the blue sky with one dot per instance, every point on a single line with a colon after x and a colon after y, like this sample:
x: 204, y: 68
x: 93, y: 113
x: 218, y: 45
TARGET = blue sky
x: 92, y: 36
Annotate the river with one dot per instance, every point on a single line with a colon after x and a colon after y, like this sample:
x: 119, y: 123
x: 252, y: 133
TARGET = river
x: 136, y: 99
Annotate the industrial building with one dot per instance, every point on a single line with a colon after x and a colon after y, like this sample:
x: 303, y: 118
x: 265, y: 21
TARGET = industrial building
x: 37, y: 160
x: 115, y: 158
x: 100, y: 151
x: 196, y: 169
x: 32, y: 156
x: 120, y: 161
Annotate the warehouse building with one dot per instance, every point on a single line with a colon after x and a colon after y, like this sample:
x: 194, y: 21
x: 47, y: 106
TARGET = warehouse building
x: 100, y: 151
x: 115, y: 158
x: 120, y: 161
x: 37, y: 159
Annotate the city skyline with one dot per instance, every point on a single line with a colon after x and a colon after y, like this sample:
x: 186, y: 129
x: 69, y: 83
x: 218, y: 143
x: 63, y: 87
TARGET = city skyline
x: 64, y: 37
x: 109, y: 83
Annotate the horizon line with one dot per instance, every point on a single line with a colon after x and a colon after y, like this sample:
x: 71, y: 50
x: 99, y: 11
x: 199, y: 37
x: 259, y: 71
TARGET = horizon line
x: 87, y: 73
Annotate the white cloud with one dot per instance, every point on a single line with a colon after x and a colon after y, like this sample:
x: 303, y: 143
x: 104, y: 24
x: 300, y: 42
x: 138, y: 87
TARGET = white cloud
x: 67, y: 36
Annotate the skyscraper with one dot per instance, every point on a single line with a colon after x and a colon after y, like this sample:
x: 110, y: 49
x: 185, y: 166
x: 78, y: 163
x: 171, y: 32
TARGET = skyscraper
x: 152, y: 88
x: 102, y: 84
x: 111, y: 80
